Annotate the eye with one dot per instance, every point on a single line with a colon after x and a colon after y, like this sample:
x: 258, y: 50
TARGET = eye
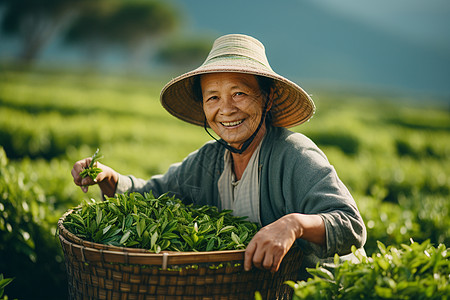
x: 237, y: 94
x: 212, y: 98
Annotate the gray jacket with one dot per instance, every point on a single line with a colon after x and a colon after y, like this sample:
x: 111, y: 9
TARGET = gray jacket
x: 295, y: 176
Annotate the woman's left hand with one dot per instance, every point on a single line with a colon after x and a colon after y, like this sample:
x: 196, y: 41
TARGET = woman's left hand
x: 269, y: 246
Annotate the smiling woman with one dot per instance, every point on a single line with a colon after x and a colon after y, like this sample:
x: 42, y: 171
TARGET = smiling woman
x: 258, y: 168
x: 233, y: 105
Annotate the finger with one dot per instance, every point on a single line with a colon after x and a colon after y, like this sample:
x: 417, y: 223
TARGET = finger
x: 249, y: 252
x: 276, y: 263
x: 82, y: 164
x: 76, y: 176
x: 102, y: 175
x: 78, y: 168
x: 267, y: 262
x: 258, y: 258
x: 86, y: 181
x: 84, y: 188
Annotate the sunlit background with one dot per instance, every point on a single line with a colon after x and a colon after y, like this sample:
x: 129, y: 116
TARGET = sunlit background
x: 400, y: 47
x: 77, y: 75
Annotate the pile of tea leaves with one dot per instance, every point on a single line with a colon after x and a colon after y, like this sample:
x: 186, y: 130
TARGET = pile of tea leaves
x: 164, y: 223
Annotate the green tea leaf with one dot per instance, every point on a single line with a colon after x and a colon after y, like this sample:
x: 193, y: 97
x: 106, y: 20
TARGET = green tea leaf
x: 125, y: 237
x: 210, y: 245
x: 226, y: 229
x: 99, y: 215
x: 106, y: 229
x: 235, y: 238
x: 153, y: 239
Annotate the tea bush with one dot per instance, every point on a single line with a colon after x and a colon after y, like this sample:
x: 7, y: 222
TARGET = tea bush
x: 392, y: 155
x: 415, y: 271
x: 61, y: 112
x: 424, y: 217
x: 3, y: 283
x: 31, y: 202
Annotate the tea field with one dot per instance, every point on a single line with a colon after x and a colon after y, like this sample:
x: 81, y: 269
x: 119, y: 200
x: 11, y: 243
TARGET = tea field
x: 392, y: 153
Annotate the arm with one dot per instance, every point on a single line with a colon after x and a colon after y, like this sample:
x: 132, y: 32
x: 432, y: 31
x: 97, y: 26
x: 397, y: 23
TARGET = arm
x: 268, y: 247
x: 192, y: 180
x: 297, y: 180
x: 110, y: 182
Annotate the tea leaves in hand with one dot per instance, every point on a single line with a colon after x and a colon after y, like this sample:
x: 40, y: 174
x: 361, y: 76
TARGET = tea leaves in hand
x: 92, y: 171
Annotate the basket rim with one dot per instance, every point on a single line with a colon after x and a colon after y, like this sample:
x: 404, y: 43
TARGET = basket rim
x: 90, y: 251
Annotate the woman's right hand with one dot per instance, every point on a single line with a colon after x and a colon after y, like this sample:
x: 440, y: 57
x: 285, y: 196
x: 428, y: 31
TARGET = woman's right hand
x: 106, y: 180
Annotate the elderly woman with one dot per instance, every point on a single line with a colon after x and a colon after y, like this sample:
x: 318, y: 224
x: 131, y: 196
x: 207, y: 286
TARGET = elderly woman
x: 257, y: 167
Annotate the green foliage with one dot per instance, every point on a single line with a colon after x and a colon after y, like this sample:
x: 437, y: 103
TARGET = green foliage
x: 393, y: 156
x: 421, y: 217
x: 415, y: 271
x: 131, y: 24
x: 137, y: 19
x: 3, y: 283
x: 185, y: 52
x: 92, y: 171
x: 17, y: 11
x: 35, y: 23
x: 157, y: 224
x: 346, y: 142
x: 30, y: 206
x: 124, y: 116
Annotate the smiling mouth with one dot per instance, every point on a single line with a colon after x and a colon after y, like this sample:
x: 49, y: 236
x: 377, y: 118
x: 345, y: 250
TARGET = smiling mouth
x: 231, y: 124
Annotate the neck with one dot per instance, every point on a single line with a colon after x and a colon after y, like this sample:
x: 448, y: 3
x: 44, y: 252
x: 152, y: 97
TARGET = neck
x: 240, y: 160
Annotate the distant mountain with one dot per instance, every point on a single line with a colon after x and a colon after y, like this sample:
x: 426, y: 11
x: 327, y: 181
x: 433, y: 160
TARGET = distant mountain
x: 322, y: 44
x: 312, y: 45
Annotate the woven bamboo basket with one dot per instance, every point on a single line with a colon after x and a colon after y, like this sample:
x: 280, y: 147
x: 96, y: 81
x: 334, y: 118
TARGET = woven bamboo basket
x: 97, y: 271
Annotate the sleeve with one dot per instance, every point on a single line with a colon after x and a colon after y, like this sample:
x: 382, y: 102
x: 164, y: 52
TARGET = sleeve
x: 325, y: 194
x: 157, y: 184
x: 302, y: 180
x: 194, y: 180
x: 330, y: 198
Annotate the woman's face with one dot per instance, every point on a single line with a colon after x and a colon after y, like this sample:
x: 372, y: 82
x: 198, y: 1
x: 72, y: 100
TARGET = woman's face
x: 233, y: 105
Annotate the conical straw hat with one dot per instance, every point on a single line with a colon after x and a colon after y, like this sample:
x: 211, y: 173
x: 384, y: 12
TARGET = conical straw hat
x: 240, y: 54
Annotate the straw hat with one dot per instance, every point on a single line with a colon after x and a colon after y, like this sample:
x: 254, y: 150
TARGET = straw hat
x: 241, y: 54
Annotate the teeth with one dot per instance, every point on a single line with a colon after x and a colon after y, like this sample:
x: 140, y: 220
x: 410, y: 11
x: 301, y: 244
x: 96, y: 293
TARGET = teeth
x: 229, y: 124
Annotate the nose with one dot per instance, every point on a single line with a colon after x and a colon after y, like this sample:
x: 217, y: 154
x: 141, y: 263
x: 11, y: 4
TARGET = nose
x: 227, y: 106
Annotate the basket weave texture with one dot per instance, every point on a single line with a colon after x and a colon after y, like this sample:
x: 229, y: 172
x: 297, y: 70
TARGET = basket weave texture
x: 97, y: 271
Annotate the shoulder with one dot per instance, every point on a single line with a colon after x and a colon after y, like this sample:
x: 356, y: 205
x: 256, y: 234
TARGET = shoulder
x: 296, y: 146
x: 210, y: 149
x: 208, y: 154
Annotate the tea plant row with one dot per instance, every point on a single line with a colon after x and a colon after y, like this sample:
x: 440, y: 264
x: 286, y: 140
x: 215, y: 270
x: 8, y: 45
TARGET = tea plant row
x: 393, y: 156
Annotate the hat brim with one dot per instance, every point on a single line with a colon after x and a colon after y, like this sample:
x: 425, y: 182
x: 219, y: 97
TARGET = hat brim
x: 291, y: 106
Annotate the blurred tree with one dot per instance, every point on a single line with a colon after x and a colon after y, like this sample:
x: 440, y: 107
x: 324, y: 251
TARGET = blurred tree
x: 95, y: 24
x: 89, y: 29
x: 36, y: 22
x: 133, y: 24
x: 185, y: 52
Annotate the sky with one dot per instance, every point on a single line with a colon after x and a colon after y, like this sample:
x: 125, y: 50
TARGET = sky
x: 419, y: 20
x: 401, y: 46
x: 397, y: 45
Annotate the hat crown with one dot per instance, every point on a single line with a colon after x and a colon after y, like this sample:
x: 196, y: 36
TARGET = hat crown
x: 237, y: 45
